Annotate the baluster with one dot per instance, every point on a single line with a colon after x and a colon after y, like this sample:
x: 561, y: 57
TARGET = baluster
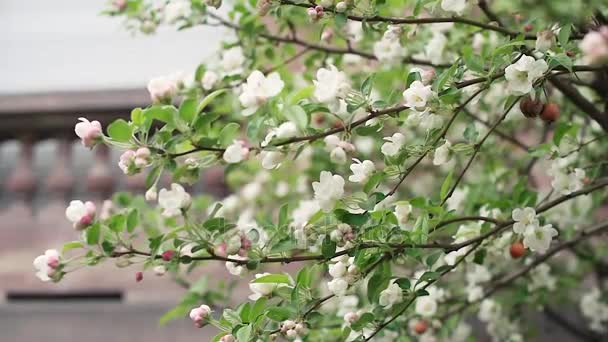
x: 22, y: 181
x: 99, y: 178
x: 60, y: 182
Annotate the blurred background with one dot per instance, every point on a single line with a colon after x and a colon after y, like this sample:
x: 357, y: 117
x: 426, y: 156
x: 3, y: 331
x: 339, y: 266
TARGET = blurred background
x: 62, y: 60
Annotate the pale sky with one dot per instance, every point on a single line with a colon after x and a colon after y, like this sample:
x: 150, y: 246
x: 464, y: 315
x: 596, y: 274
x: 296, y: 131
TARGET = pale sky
x: 64, y: 45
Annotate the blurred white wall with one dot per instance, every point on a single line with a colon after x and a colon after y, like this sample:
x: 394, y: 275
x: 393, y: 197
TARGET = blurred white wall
x: 67, y: 45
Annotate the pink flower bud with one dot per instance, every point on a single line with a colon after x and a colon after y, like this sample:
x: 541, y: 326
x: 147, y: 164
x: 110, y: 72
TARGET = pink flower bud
x: 245, y: 243
x: 89, y: 132
x: 319, y: 10
x: 327, y: 35
x: 168, y: 255
x: 52, y: 261
x: 220, y: 249
x: 312, y: 14
x: 139, y: 276
x: 142, y: 152
x: 227, y: 338
x: 199, y: 314
x: 120, y: 4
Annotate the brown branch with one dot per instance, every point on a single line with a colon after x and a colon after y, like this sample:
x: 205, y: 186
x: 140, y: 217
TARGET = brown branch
x: 581, y: 102
x: 424, y: 21
x: 483, y: 5
x: 499, y: 133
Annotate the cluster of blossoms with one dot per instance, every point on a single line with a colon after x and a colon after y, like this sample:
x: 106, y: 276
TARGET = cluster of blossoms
x: 344, y: 273
x: 499, y: 326
x: 331, y: 87
x: 535, y: 237
x: 389, y: 49
x: 343, y: 235
x: 81, y: 214
x: 338, y: 148
x: 595, y: 46
x: 47, y: 266
x: 565, y: 182
x: 132, y: 162
x: 595, y: 310
x: 258, y: 89
x: 293, y: 330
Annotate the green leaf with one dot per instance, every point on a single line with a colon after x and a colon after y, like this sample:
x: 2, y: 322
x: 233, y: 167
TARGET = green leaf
x: 447, y: 183
x: 132, y: 220
x: 445, y: 76
x: 297, y: 115
x: 366, y: 86
x: 404, y: 283
x: 117, y: 223
x: 427, y: 277
x: 215, y: 223
x: 120, y: 131
x: 161, y: 113
x: 244, y: 333
x: 229, y: 133
x: 283, y: 215
x: 560, y: 59
x: 470, y: 133
x: 561, y: 130
x: 373, y: 182
x: 564, y: 35
x: 187, y: 110
x: 411, y: 77
x: 350, y: 218
x: 68, y: 246
x: 92, y: 234
x: 278, y: 313
x: 208, y: 99
x: 340, y: 19
x: 273, y: 278
x: 364, y: 320
x: 231, y: 317
x: 328, y: 247
x: 257, y: 309
x: 376, y: 284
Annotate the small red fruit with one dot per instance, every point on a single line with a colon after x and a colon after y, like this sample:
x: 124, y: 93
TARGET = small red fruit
x: 530, y: 108
x: 420, y: 327
x: 139, y: 276
x: 570, y: 53
x: 517, y: 250
x: 528, y: 27
x: 550, y: 112
x: 168, y: 255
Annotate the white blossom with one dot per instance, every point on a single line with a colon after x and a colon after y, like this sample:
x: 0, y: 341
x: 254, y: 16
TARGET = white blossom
x: 209, y: 79
x: 47, y: 264
x: 162, y: 88
x: 261, y: 289
x: 388, y: 51
x: 236, y: 152
x: 271, y: 159
x: 232, y: 61
x: 338, y: 286
x: 442, y: 154
x: 525, y: 220
x: 393, y: 144
x: 235, y: 268
x: 390, y: 296
x: 328, y: 190
x: 522, y: 74
x: 81, y: 214
x: 402, y: 212
x: 595, y: 310
x: 259, y: 89
x: 539, y: 239
x: 456, y: 6
x: 331, y: 85
x: 595, y: 46
x: 175, y: 10
x: 361, y: 170
x: 418, y: 95
x: 565, y: 182
x: 285, y: 130
x: 173, y: 201
x: 435, y: 49
x: 305, y: 210
x: 426, y: 306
